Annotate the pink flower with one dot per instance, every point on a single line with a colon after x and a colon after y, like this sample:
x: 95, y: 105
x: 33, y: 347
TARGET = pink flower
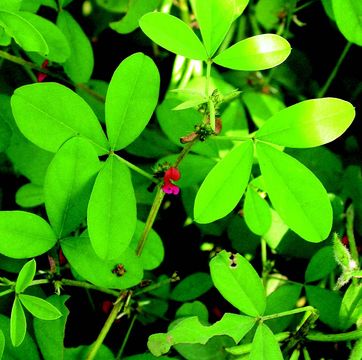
x: 170, y: 188
x: 41, y: 76
x: 171, y: 174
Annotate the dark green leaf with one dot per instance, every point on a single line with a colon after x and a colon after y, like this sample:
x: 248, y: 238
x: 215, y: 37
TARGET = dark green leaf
x: 173, y: 34
x: 351, y: 307
x: 81, y: 352
x: 309, y: 123
x: 24, y: 235
x: 321, y: 264
x: 258, y: 52
x: 224, y: 185
x: 26, y: 276
x: 296, y: 194
x: 238, y: 283
x: 79, y: 65
x: 68, y: 184
x: 112, y: 210
x: 17, y: 323
x: 53, y: 109
x: 40, y: 308
x: 2, y: 344
x: 131, y: 99
x: 5, y: 135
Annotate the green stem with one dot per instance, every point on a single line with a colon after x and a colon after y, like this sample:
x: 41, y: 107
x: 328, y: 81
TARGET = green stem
x: 304, y: 5
x: 350, y: 233
x: 230, y: 138
x: 153, y: 286
x: 184, y: 152
x: 137, y: 169
x: 208, y: 76
x: 264, y: 261
x: 187, y: 74
x: 184, y: 11
x: 85, y: 285
x: 289, y: 312
x: 334, y: 72
x: 6, y: 292
x: 166, y: 6
x: 91, y: 92
x: 318, y: 336
x: 120, y: 353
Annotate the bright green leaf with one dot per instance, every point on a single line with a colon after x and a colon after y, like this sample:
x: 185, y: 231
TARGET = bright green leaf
x: 195, y: 308
x: 192, y: 287
x: 173, y: 34
x: 214, y: 18
x: 87, y: 264
x: 25, y: 277
x: 351, y: 306
x: 238, y: 283
x: 112, y: 210
x: 309, y: 123
x: 224, y: 185
x: 40, y: 308
x: 24, y: 235
x: 321, y: 264
x: 10, y: 5
x: 265, y: 346
x: 256, y: 212
x: 53, y: 109
x: 68, y: 184
x: 348, y: 15
x: 23, y: 32
x: 191, y: 331
x: 258, y: 52
x: 29, y: 195
x: 79, y: 65
x: 50, y: 333
x: 296, y: 194
x: 2, y: 344
x: 17, y: 323
x: 131, y: 99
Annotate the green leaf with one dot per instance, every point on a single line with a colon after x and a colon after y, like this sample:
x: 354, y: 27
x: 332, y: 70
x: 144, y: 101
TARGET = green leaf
x: 309, y: 123
x: 131, y: 99
x: 321, y: 264
x: 192, y: 287
x: 40, y: 308
x: 153, y: 251
x: 26, y: 276
x: 136, y: 9
x: 29, y: 195
x: 68, y: 184
x: 351, y: 306
x: 17, y: 323
x: 53, y: 109
x: 87, y: 264
x: 173, y: 34
x: 238, y: 283
x: 112, y: 210
x: 79, y: 65
x: 195, y: 308
x: 5, y: 135
x: 214, y: 18
x: 24, y: 235
x: 258, y: 52
x: 296, y: 194
x: 256, y: 212
x: 58, y: 46
x: 23, y: 32
x: 10, y: 5
x: 81, y: 352
x: 2, y: 344
x: 265, y: 346
x: 191, y: 331
x: 348, y: 16
x: 224, y: 185
x: 50, y: 333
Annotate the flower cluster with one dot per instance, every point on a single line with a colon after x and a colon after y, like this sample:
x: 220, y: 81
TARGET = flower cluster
x: 171, y: 174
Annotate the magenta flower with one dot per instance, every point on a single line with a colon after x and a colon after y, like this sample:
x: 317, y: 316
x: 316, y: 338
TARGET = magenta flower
x: 171, y: 174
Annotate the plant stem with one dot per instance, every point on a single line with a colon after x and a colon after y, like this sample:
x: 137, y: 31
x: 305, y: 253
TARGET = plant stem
x: 166, y: 6
x: 304, y: 5
x: 230, y: 138
x: 184, y: 152
x: 137, y: 169
x: 91, y: 92
x: 289, y: 312
x: 350, y: 233
x: 318, y: 336
x: 264, y: 261
x: 208, y: 75
x: 85, y: 285
x: 334, y: 72
x: 120, y: 353
x: 6, y: 292
x: 153, y: 286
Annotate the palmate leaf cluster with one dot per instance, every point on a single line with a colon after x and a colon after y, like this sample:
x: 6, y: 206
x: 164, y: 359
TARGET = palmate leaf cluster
x: 87, y: 200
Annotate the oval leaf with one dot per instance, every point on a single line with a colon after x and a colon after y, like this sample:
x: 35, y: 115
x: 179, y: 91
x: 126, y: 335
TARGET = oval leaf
x: 25, y: 276
x: 321, y: 264
x: 23, y: 32
x: 112, y: 210
x: 238, y: 283
x: 17, y: 323
x: 87, y: 264
x: 24, y: 235
x: 29, y: 195
x: 214, y: 18
x: 309, y: 123
x: 40, y: 308
x: 296, y: 194
x: 53, y: 109
x: 173, y: 34
x: 79, y: 65
x: 68, y: 185
x: 258, y: 52
x: 131, y: 99
x: 264, y: 345
x: 224, y: 185
x: 256, y: 212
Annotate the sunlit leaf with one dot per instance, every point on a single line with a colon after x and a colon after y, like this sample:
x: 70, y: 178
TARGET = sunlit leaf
x: 25, y: 276
x: 17, y: 323
x: 29, y: 195
x: 321, y: 264
x: 39, y: 308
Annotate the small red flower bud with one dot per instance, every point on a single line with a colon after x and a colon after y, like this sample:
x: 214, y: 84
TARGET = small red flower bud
x: 172, y: 174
